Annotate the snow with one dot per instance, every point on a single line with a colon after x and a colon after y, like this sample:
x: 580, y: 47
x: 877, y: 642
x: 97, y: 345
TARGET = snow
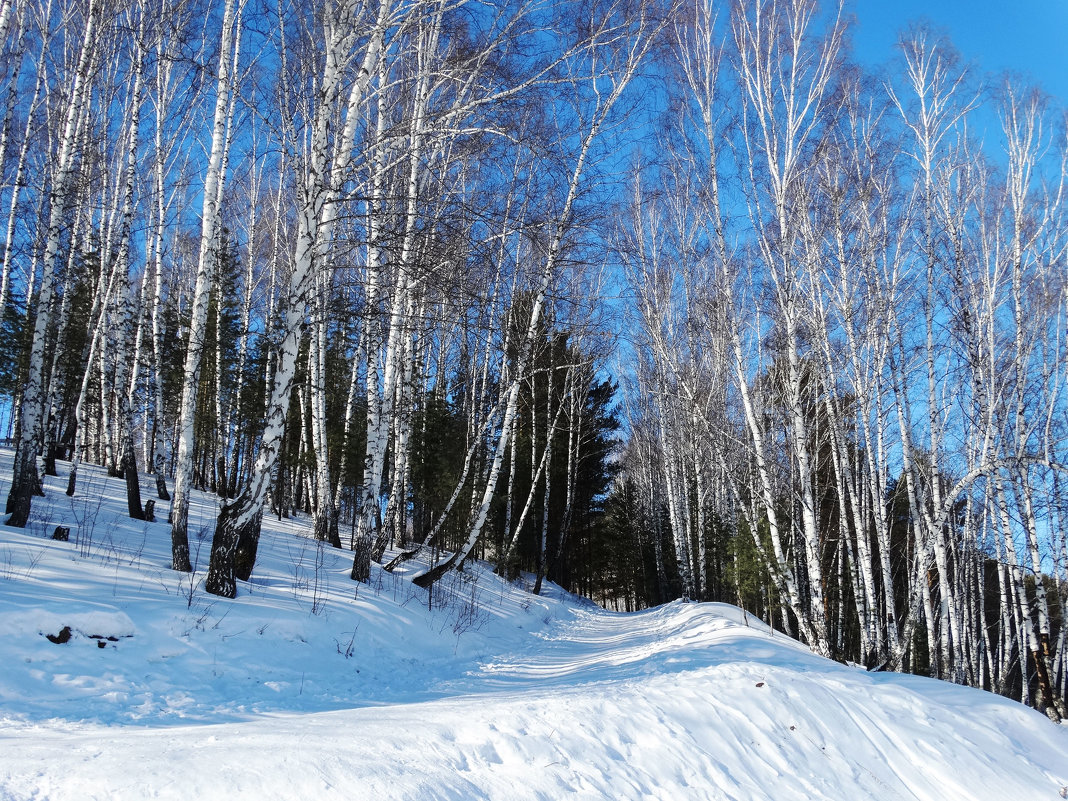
x: 310, y: 686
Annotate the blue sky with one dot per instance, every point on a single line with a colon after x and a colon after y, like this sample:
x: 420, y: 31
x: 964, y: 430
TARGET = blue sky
x: 1025, y: 36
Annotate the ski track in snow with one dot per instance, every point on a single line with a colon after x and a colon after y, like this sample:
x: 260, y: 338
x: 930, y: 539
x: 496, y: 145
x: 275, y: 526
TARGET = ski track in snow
x: 298, y: 690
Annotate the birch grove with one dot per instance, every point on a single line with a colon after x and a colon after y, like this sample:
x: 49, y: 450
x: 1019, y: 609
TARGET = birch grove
x: 887, y: 426
x: 649, y: 299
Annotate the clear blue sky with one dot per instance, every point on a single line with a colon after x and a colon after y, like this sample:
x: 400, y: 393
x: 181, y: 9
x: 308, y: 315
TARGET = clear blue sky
x: 1025, y: 36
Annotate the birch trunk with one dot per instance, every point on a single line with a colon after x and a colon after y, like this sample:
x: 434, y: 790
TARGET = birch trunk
x: 236, y: 539
x: 20, y: 165
x: 214, y: 180
x: 24, y: 480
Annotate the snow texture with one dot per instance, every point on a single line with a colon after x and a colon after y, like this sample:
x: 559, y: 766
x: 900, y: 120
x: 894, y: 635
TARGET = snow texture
x: 307, y: 686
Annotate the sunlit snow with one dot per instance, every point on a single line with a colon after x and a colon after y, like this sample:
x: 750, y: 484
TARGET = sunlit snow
x: 308, y: 686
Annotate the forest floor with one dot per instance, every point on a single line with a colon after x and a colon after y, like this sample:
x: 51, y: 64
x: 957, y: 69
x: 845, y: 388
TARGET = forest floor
x: 308, y: 686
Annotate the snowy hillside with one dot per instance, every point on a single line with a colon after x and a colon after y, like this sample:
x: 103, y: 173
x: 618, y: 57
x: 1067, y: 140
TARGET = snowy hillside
x: 310, y: 687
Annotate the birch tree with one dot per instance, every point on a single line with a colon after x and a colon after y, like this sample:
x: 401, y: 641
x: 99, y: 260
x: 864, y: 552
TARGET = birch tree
x: 25, y: 481
x: 355, y: 37
x: 210, y: 223
x: 619, y: 39
x: 786, y: 71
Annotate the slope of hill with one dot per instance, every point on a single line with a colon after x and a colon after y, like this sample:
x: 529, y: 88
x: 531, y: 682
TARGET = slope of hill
x: 309, y: 686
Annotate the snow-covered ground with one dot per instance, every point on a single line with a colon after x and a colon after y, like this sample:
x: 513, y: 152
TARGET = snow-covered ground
x: 308, y: 686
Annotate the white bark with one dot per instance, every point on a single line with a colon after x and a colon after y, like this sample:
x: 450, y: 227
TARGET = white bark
x: 24, y: 477
x: 214, y: 181
x: 320, y: 187
x: 641, y: 32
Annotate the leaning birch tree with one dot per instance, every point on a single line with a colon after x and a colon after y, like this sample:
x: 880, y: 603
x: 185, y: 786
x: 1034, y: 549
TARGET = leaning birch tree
x: 619, y: 39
